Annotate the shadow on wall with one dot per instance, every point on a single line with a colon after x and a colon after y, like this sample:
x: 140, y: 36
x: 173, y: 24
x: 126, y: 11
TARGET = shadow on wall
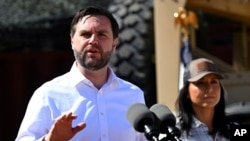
x: 21, y: 74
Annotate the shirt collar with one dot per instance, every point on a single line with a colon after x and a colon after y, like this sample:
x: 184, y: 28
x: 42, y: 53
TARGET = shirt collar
x: 112, y: 79
x: 76, y: 77
x: 196, y: 123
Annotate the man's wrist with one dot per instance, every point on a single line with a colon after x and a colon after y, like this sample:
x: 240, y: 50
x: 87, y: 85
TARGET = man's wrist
x: 45, y: 138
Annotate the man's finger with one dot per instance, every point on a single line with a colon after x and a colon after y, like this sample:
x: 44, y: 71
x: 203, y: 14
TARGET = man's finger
x: 79, y: 127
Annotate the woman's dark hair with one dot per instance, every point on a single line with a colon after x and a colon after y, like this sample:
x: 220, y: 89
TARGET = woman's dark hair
x: 185, y: 112
x: 93, y: 10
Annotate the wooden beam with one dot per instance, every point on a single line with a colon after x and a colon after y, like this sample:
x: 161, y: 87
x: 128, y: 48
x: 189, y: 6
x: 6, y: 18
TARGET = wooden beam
x: 167, y: 51
x: 238, y: 10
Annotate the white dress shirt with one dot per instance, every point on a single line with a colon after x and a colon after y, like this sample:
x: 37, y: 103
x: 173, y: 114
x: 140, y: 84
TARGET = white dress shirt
x: 103, y: 110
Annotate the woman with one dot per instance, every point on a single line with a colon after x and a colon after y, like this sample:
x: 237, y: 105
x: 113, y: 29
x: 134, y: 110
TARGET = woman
x: 201, y: 104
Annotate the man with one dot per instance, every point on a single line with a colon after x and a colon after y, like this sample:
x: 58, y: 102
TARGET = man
x: 89, y: 103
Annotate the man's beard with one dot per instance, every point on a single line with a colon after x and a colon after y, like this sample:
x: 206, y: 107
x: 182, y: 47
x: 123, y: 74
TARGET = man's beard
x: 93, y: 65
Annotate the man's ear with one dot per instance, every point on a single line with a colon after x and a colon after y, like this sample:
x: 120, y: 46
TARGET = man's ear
x: 115, y: 43
x: 72, y: 45
x: 72, y: 42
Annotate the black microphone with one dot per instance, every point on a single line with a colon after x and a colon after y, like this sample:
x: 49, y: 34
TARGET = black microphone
x: 166, y: 121
x: 143, y: 121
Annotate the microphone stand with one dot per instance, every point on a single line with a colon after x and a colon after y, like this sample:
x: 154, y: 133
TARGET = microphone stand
x: 151, y: 133
x: 155, y: 139
x: 173, y: 134
x: 170, y: 139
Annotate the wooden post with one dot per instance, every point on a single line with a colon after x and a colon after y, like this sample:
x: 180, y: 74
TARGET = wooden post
x: 167, y: 51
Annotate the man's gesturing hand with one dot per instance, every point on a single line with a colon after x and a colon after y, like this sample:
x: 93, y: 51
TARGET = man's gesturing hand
x: 62, y: 129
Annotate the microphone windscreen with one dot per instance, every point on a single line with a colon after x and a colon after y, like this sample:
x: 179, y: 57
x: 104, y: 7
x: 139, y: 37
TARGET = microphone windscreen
x: 139, y: 115
x: 164, y: 115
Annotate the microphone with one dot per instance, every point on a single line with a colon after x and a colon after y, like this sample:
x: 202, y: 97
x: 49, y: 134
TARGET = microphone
x: 166, y: 122
x: 143, y: 120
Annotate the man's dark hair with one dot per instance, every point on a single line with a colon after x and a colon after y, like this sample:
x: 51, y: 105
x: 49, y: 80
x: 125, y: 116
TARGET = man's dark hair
x: 93, y: 10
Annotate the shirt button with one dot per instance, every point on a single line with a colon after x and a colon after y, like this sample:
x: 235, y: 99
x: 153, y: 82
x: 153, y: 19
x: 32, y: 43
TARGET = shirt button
x: 102, y: 113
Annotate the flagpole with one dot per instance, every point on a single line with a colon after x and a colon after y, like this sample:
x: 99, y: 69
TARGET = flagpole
x: 187, y: 20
